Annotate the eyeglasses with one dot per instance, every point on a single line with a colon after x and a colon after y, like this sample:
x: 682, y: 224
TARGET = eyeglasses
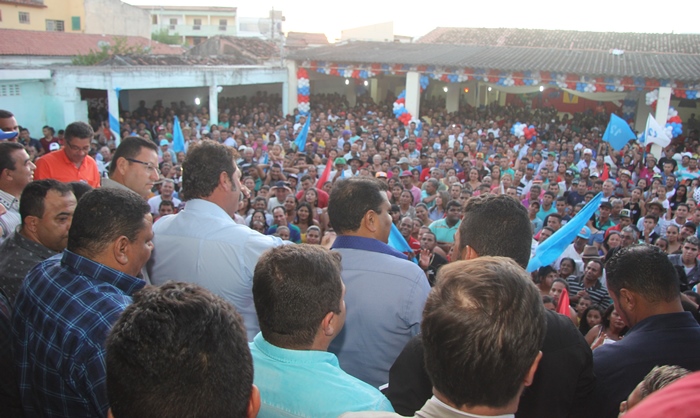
x: 75, y: 148
x: 149, y: 166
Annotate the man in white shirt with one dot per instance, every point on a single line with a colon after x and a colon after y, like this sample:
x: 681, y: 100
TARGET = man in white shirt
x: 202, y: 244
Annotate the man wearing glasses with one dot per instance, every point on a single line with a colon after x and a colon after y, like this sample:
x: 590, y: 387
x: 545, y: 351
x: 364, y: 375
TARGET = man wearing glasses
x: 72, y: 162
x: 134, y: 166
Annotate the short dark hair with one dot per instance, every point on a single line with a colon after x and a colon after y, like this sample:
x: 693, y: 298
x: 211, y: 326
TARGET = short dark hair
x: 453, y: 203
x: 102, y: 216
x: 496, y: 225
x: 78, y: 130
x: 493, y: 301
x: 4, y: 114
x: 645, y: 270
x: 79, y: 188
x: 166, y: 203
x: 6, y: 160
x: 130, y: 147
x: 294, y: 288
x: 31, y: 203
x: 178, y: 351
x: 351, y: 199
x: 203, y: 166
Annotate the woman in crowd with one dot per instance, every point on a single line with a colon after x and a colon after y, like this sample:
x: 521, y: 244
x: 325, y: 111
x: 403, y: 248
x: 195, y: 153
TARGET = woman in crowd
x: 244, y: 207
x: 474, y: 181
x: 556, y: 291
x: 591, y: 317
x: 610, y: 330
x: 672, y: 237
x: 613, y: 240
x: 304, y: 219
x: 439, y: 210
x: 259, y: 216
x: 679, y: 197
x: 290, y: 207
x: 422, y: 214
x: 318, y: 214
x: 662, y: 243
x: 405, y: 204
x: 544, y: 278
x: 567, y: 268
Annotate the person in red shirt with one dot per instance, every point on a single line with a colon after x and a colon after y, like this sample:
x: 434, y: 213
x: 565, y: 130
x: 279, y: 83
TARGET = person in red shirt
x: 72, y: 162
x: 406, y: 227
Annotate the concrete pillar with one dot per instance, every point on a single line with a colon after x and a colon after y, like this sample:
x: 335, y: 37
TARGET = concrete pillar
x: 350, y: 93
x: 289, y: 90
x: 661, y: 115
x: 374, y: 90
x: 642, y: 112
x: 113, y: 109
x: 413, y: 93
x: 214, y: 104
x: 502, y: 96
x: 473, y: 95
x: 452, y: 101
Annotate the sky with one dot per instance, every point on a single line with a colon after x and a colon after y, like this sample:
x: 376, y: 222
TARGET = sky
x: 413, y: 18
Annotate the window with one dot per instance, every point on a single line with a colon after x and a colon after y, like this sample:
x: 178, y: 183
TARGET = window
x: 54, y: 25
x: 173, y: 23
x: 9, y: 90
x: 75, y: 23
x: 154, y: 19
x: 223, y: 24
x: 197, y: 24
x: 24, y: 17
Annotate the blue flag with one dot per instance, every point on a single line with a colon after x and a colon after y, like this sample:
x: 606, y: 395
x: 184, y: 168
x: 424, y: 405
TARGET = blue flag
x: 398, y: 242
x: 551, y: 249
x: 618, y: 133
x: 178, y: 138
x: 301, y: 138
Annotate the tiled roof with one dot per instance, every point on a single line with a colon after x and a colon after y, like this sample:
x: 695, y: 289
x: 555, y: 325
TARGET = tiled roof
x: 169, y: 60
x: 246, y: 51
x: 566, y: 39
x: 296, y: 40
x: 30, y: 3
x: 62, y: 44
x: 684, y: 67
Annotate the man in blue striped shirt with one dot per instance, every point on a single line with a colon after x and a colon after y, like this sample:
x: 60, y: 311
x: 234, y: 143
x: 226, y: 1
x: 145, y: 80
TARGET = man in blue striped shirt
x: 68, y: 303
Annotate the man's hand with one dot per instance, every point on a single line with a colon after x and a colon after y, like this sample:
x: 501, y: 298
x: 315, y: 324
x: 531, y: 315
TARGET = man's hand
x: 424, y: 259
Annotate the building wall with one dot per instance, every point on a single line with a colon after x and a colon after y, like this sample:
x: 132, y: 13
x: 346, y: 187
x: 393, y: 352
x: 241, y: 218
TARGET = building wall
x: 60, y: 10
x: 185, y: 22
x: 113, y: 17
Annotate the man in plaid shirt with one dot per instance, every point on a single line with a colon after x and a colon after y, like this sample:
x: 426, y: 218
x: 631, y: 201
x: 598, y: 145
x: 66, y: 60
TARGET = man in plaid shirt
x: 68, y: 303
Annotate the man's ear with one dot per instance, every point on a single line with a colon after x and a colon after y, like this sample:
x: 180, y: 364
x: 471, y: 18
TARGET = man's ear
x: 30, y: 223
x: 224, y: 180
x: 120, y: 250
x: 328, y: 324
x: 628, y: 300
x: 530, y: 376
x: 470, y: 253
x: 371, y: 221
x: 254, y: 403
x: 122, y: 165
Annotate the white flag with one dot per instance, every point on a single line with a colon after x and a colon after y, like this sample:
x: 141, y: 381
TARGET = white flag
x: 655, y: 134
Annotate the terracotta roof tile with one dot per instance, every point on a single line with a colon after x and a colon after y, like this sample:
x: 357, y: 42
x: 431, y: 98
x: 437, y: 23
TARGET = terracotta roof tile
x: 566, y: 39
x: 246, y: 51
x: 39, y: 43
x: 171, y: 60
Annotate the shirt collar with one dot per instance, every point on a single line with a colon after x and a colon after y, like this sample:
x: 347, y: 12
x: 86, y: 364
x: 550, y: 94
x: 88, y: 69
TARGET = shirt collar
x: 81, y: 265
x: 367, y: 244
x: 29, y: 245
x: 465, y: 414
x: 285, y: 355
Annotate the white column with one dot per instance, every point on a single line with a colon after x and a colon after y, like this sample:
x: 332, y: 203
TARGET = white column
x: 413, y: 93
x: 661, y: 115
x: 452, y: 100
x: 642, y: 112
x: 214, y: 104
x: 350, y: 93
x: 113, y: 110
x: 374, y: 89
x: 289, y: 90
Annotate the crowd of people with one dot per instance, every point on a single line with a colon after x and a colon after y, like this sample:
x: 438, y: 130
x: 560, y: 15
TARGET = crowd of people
x: 338, y: 274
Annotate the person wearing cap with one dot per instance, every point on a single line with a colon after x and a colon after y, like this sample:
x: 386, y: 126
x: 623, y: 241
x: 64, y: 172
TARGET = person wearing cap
x: 625, y: 220
x: 281, y: 189
x: 9, y: 127
x: 601, y: 222
x: 72, y: 163
x: 407, y: 181
x: 340, y: 171
x: 624, y: 183
x: 586, y: 160
x: 655, y: 209
x: 165, y: 149
x: 575, y: 250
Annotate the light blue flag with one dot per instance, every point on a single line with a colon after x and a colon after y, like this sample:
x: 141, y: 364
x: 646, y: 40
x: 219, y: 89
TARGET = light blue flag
x: 551, y: 249
x: 178, y: 137
x: 618, y: 133
x: 301, y: 138
x: 398, y: 242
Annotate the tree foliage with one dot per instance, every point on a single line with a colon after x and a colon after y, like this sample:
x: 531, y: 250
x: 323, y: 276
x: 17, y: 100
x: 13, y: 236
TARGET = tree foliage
x: 119, y: 47
x: 163, y: 36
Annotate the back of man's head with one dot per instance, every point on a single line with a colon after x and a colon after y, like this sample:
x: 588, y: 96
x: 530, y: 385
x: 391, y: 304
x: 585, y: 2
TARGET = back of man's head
x: 129, y: 148
x: 294, y: 288
x: 351, y: 199
x: 496, y: 225
x: 644, y: 270
x: 78, y: 130
x: 102, y: 216
x: 493, y: 302
x: 202, y: 168
x: 179, y: 351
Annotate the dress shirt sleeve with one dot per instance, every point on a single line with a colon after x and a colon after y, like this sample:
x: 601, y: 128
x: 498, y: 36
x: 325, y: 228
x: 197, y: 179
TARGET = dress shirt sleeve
x: 42, y: 170
x: 92, y: 383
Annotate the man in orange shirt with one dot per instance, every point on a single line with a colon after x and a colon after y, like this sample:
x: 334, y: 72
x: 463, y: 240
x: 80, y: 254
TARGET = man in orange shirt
x: 71, y: 163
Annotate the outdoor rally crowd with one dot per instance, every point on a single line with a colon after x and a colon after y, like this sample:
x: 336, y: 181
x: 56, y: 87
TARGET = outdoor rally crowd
x: 159, y: 279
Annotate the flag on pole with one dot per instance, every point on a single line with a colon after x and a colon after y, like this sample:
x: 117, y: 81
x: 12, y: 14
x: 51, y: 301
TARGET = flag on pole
x: 654, y: 134
x: 178, y: 137
x: 398, y: 242
x: 301, y: 138
x: 564, y: 302
x: 618, y: 132
x: 547, y: 252
x: 326, y: 174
